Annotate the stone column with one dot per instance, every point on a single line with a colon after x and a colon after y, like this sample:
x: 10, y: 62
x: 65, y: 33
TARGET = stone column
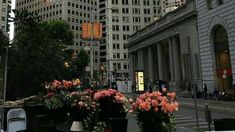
x: 131, y: 67
x: 171, y: 59
x: 140, y: 60
x: 150, y: 64
x: 176, y: 59
x: 160, y: 62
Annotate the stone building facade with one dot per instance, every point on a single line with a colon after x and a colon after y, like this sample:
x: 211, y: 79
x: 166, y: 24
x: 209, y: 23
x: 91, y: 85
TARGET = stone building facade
x: 168, y: 50
x: 216, y: 32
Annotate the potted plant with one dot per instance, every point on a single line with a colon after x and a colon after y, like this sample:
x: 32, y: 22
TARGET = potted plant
x: 112, y: 108
x: 153, y: 111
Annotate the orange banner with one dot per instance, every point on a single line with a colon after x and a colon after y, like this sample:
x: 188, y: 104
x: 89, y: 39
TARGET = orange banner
x: 97, y: 30
x: 87, y: 31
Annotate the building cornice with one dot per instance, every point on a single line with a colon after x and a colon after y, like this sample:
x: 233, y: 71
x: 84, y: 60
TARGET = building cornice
x: 172, y: 18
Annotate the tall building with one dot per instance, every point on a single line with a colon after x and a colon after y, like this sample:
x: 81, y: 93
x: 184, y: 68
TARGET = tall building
x: 75, y: 12
x: 165, y: 6
x: 120, y: 20
x: 5, y: 8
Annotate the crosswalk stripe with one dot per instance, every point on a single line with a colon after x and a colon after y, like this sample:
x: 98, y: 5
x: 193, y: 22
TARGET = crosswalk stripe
x: 191, y: 120
x: 187, y: 124
x: 180, y: 118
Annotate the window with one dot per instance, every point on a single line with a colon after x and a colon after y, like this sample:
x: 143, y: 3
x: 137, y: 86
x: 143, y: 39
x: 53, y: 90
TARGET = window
x: 115, y: 2
x: 136, y: 11
x: 136, y: 2
x: 146, y: 2
x: 115, y: 37
x: 125, y: 2
x: 125, y: 19
x: 125, y: 36
x: 147, y: 19
x: 115, y: 19
x: 136, y: 19
x: 115, y: 11
x: 146, y: 11
x: 220, y: 2
x: 115, y: 27
x: 209, y: 4
x: 126, y: 28
x: 125, y: 10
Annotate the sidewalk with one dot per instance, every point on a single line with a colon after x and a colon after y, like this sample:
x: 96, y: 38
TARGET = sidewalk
x: 227, y: 106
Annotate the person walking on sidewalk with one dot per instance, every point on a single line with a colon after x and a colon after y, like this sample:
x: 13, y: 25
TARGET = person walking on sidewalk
x: 205, y: 90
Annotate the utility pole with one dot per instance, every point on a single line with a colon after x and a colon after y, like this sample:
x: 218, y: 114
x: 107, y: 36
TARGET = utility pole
x: 92, y: 45
x: 5, y: 85
x: 191, y: 80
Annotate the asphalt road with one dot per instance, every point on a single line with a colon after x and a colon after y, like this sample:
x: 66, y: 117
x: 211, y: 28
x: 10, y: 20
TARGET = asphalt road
x: 186, y: 116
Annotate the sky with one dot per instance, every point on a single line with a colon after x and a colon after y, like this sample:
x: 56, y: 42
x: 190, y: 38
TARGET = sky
x: 11, y: 24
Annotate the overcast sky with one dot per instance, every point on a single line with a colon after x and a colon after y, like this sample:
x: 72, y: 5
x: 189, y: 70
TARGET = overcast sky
x: 11, y: 25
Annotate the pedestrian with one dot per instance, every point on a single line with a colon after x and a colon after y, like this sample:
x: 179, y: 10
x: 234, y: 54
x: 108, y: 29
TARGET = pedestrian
x: 205, y: 89
x: 150, y: 87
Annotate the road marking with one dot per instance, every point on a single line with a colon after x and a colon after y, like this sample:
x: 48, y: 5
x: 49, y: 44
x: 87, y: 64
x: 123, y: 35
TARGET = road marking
x: 180, y: 118
x: 187, y: 120
x: 204, y: 127
x: 228, y: 109
x: 188, y: 124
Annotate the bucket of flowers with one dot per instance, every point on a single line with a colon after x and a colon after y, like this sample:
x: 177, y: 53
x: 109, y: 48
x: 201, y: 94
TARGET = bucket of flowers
x: 154, y: 111
x: 113, y: 108
x: 83, y: 108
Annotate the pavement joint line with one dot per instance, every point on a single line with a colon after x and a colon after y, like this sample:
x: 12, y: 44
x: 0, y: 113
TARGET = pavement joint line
x: 228, y: 109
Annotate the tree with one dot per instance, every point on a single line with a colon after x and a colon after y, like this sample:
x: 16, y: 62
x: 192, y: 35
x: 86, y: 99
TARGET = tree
x: 38, y: 54
x: 82, y: 61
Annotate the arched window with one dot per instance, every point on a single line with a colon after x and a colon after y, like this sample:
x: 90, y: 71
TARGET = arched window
x: 222, y: 57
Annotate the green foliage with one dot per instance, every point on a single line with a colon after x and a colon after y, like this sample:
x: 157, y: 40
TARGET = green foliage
x: 54, y: 102
x: 37, y: 54
x: 82, y: 61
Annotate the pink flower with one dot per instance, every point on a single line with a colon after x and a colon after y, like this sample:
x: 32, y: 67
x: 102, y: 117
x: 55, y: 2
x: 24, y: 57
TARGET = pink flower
x: 156, y: 109
x: 80, y: 103
x: 171, y: 95
x: 156, y: 94
x: 164, y: 90
x: 130, y: 111
x: 145, y: 106
x: 154, y: 103
x: 97, y: 95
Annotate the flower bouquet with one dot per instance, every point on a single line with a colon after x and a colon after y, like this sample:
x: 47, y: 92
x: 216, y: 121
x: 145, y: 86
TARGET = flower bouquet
x: 58, y: 92
x: 112, y: 104
x: 153, y: 111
